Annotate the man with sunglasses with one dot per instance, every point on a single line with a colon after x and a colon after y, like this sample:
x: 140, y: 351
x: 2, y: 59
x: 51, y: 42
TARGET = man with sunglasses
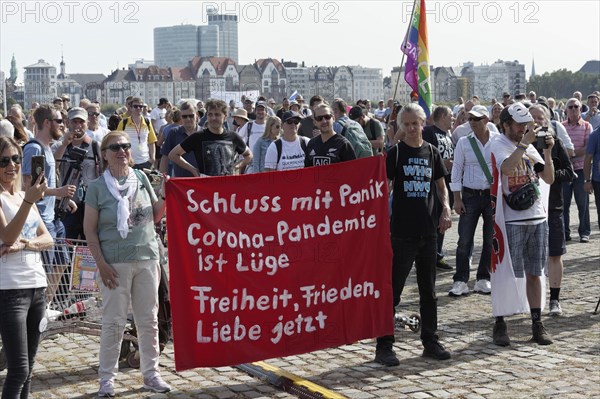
x: 141, y: 135
x: 94, y: 129
x: 579, y: 131
x: 328, y: 147
x: 470, y: 185
x: 214, y: 147
x: 189, y: 117
x: 465, y: 128
x: 519, y: 165
x: 79, y: 163
x: 49, y: 122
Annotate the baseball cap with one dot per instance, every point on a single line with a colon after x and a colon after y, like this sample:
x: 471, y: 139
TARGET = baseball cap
x: 261, y: 104
x: 479, y: 111
x: 290, y: 115
x: 517, y: 112
x: 77, y: 112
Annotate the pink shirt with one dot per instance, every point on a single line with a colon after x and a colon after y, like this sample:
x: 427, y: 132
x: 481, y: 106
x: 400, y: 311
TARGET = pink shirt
x: 579, y: 133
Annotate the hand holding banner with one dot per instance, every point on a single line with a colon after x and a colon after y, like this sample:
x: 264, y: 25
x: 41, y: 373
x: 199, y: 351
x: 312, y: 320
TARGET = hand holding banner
x: 276, y: 264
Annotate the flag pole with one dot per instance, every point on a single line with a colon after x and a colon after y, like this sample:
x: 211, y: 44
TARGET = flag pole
x: 412, y: 14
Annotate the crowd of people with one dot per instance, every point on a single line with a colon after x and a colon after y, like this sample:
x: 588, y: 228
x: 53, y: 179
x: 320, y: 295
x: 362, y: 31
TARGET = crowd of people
x: 93, y: 187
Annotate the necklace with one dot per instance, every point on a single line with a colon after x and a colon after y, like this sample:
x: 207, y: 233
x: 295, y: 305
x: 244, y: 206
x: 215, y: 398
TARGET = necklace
x: 138, y: 130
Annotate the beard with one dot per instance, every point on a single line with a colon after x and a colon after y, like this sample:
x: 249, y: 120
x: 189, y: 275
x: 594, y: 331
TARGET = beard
x: 55, y: 133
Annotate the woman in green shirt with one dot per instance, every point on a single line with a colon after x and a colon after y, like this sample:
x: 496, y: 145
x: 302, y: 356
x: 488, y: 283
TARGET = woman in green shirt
x: 121, y: 209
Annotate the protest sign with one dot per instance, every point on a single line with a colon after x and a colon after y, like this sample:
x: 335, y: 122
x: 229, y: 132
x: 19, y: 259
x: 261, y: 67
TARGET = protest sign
x: 280, y: 263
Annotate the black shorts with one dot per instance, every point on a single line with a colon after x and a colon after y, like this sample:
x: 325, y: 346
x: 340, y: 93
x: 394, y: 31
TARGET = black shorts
x: 556, y: 236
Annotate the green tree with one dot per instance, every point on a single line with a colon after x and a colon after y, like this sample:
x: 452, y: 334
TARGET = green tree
x: 562, y: 83
x: 109, y: 109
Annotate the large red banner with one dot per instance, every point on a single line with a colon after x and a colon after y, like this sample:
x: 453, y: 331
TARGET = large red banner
x: 277, y: 264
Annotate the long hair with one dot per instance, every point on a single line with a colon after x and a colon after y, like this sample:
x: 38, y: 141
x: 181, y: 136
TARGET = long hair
x: 272, y: 120
x: 5, y: 144
x: 104, y: 146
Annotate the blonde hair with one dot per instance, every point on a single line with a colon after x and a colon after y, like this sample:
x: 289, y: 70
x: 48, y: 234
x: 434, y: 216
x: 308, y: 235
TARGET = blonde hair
x: 272, y: 120
x: 104, y: 146
x: 9, y: 142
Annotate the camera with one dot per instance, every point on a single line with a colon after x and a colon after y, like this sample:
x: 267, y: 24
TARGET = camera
x: 77, y: 154
x: 541, y: 138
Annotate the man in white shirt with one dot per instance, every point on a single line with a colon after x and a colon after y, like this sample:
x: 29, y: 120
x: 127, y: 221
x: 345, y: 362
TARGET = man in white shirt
x: 94, y: 130
x: 470, y: 185
x: 252, y: 130
x: 158, y: 114
x: 465, y: 128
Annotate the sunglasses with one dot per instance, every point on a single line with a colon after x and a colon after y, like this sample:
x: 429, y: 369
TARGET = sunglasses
x: 94, y: 114
x: 473, y: 119
x: 138, y: 106
x: 188, y: 116
x: 573, y: 106
x: 293, y: 121
x: 117, y: 147
x: 321, y: 117
x: 59, y: 121
x: 16, y: 159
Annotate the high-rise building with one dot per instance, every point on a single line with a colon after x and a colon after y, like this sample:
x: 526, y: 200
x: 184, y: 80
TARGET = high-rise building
x: 228, y: 33
x: 208, y: 41
x: 175, y: 45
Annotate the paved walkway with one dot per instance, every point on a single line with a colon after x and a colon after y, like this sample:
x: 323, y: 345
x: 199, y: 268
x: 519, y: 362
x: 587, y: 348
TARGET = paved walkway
x: 67, y: 364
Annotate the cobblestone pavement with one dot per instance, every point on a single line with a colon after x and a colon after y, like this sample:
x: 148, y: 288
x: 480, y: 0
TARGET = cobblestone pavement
x: 570, y: 368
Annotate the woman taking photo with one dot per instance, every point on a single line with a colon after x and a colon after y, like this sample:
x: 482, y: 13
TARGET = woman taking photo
x: 121, y: 209
x: 22, y: 278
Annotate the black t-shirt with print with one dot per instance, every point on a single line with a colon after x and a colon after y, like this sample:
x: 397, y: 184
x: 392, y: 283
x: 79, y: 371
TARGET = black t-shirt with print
x: 414, y: 171
x: 336, y: 149
x: 440, y: 140
x: 215, y: 153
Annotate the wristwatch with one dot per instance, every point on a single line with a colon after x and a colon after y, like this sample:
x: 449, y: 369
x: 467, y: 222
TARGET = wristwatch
x: 587, y: 181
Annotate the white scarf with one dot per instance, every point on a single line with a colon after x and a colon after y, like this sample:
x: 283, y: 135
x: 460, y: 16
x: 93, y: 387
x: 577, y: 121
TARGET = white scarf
x: 115, y: 189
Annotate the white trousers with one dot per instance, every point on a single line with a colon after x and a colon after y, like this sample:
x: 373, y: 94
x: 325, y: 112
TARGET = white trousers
x: 138, y: 283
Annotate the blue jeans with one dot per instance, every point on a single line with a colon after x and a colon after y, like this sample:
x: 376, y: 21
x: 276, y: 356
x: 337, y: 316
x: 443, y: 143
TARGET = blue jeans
x: 58, y: 255
x: 476, y: 205
x: 583, y: 205
x: 56, y: 261
x: 20, y: 314
x: 596, y: 187
x: 421, y: 251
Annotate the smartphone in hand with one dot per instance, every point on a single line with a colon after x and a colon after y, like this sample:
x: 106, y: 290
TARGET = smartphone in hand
x: 37, y: 167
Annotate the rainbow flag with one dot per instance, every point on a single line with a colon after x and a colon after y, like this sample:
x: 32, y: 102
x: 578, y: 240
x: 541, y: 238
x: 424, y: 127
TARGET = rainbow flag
x: 415, y: 46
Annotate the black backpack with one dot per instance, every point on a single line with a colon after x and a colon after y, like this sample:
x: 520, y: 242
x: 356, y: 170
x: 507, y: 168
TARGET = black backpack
x: 279, y: 146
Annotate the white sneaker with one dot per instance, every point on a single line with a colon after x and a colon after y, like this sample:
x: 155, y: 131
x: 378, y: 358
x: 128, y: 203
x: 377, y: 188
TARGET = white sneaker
x: 555, y: 308
x: 483, y: 286
x: 459, y: 288
x: 107, y: 389
x: 156, y: 384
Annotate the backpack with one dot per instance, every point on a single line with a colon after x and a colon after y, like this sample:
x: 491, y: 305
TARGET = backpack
x: 249, y: 132
x: 279, y: 147
x: 357, y: 137
x: 123, y: 123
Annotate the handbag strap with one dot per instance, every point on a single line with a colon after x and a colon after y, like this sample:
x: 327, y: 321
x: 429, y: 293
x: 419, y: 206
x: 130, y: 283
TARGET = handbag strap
x: 484, y: 167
